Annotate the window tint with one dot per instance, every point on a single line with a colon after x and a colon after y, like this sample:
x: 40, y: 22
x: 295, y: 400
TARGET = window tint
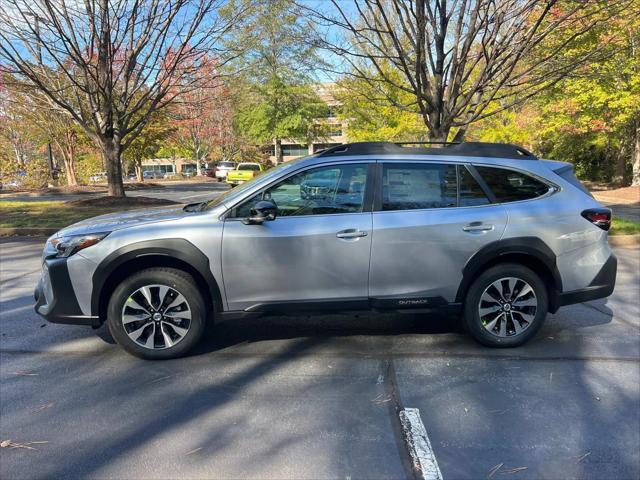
x: 324, y: 190
x: 470, y: 192
x: 510, y: 186
x: 249, y: 166
x: 410, y: 186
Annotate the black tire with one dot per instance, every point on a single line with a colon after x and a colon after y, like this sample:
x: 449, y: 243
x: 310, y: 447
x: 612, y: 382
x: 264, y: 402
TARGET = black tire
x: 180, y: 282
x: 471, y: 317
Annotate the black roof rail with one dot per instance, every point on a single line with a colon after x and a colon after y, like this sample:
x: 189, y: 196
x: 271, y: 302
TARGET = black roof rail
x: 465, y: 149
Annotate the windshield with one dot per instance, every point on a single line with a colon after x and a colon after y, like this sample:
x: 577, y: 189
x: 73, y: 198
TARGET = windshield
x: 249, y: 166
x: 233, y: 193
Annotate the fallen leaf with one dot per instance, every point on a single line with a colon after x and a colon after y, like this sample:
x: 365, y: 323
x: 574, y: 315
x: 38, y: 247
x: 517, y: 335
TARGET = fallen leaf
x: 513, y: 470
x: 493, y: 471
x: 583, y: 457
x: 44, y: 406
x: 26, y: 445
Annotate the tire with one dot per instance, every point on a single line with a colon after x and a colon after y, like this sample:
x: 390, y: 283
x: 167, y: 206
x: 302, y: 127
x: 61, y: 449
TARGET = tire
x: 169, y: 325
x: 511, y: 313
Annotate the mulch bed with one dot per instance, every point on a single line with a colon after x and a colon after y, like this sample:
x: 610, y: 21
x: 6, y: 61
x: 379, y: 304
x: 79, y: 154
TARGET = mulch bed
x: 121, y: 201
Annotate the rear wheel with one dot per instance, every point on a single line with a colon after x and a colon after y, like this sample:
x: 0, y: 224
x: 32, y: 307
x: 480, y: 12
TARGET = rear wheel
x: 157, y: 313
x: 506, y: 306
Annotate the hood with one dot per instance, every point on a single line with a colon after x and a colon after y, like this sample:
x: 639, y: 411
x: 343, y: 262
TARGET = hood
x: 117, y: 221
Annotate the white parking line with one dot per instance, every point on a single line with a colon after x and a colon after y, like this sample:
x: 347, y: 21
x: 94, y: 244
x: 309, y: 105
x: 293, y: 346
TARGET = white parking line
x: 419, y: 445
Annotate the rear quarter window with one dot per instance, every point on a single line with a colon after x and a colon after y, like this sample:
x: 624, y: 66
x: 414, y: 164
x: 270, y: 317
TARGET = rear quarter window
x: 511, y: 186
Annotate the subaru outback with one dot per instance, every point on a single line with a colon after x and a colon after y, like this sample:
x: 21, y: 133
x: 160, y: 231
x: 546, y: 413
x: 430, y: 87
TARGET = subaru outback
x: 487, y: 232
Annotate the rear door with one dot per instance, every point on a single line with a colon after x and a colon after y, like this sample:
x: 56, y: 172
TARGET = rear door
x: 429, y: 219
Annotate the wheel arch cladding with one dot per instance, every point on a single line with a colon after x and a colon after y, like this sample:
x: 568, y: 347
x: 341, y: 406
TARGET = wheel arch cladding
x: 174, y: 253
x: 528, y: 251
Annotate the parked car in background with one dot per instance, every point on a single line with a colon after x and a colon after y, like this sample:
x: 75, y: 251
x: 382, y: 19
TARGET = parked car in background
x: 151, y: 174
x: 222, y: 168
x: 208, y: 172
x: 486, y: 231
x: 244, y: 172
x: 98, y: 177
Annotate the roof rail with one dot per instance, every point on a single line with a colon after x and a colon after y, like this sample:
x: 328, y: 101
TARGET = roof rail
x: 465, y: 149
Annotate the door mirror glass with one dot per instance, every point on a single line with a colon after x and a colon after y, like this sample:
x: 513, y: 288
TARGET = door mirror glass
x: 264, y: 210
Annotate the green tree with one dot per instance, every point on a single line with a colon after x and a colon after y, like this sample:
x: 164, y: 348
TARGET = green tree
x: 277, y: 101
x: 148, y: 143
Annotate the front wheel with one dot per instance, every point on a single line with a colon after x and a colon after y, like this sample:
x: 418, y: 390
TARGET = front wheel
x: 157, y: 313
x: 505, y: 306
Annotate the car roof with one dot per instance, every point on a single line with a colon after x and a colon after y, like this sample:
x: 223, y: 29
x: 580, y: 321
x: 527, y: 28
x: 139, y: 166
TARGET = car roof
x: 444, y: 149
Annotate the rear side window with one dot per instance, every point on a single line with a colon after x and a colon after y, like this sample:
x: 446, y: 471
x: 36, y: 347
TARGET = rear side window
x: 412, y: 186
x: 471, y: 194
x: 511, y: 186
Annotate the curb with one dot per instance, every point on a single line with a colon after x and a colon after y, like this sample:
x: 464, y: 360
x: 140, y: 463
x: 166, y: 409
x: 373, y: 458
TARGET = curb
x: 625, y: 240
x: 27, y: 232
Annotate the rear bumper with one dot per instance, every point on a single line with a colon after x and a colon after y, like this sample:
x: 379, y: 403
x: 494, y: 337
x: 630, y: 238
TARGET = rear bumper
x: 601, y: 286
x: 55, y: 299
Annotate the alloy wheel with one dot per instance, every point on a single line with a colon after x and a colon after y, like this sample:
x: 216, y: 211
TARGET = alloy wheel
x: 156, y: 316
x: 507, y: 307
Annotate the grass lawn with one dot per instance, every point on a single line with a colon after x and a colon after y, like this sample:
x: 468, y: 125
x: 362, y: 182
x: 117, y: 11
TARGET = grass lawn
x: 624, y: 227
x: 39, y: 214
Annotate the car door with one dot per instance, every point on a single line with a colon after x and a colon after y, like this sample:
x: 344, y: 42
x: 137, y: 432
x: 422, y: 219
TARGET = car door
x: 316, y: 251
x: 430, y: 218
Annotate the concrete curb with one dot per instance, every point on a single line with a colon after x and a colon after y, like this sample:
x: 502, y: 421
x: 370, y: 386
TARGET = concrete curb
x: 625, y: 240
x: 27, y: 232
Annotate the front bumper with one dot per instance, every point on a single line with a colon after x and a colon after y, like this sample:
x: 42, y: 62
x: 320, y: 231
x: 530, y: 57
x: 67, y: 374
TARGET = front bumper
x: 601, y: 286
x: 55, y: 299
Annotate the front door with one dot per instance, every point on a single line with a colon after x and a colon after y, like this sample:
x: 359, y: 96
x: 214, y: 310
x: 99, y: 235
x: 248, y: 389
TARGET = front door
x: 316, y: 250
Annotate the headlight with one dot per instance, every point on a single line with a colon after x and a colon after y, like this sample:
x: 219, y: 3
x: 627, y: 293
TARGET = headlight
x: 63, y: 247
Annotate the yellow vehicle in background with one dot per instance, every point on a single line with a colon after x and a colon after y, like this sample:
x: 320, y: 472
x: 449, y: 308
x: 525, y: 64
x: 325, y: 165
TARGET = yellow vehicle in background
x: 244, y: 172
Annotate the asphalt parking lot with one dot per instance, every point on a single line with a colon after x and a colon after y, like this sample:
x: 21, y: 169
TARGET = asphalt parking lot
x: 318, y: 397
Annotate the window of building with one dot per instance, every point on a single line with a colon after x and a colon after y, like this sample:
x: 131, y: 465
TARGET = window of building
x: 470, y: 193
x: 318, y: 191
x: 411, y: 186
x: 511, y: 186
x: 158, y: 168
x: 295, y: 150
x: 334, y: 130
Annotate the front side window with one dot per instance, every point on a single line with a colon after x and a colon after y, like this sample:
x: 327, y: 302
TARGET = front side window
x: 412, y: 186
x: 318, y: 191
x: 511, y: 186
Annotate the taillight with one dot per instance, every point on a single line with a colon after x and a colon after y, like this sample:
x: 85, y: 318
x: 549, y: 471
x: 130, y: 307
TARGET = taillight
x: 600, y: 217
x: 253, y: 173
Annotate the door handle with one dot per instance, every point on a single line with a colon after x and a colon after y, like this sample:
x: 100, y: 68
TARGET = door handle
x: 351, y: 233
x: 478, y: 227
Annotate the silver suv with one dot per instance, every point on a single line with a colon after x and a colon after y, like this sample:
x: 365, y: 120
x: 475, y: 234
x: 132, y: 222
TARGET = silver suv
x: 485, y: 230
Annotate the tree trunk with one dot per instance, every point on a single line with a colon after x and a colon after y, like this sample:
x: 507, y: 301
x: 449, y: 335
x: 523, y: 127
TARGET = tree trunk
x: 137, y: 166
x: 636, y: 157
x: 113, y: 166
x: 278, y: 151
x: 68, y: 156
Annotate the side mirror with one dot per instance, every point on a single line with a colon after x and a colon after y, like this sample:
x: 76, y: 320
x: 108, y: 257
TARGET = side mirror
x: 262, y: 211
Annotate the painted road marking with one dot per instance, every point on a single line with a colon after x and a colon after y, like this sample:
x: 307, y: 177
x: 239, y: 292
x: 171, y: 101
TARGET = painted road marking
x: 419, y: 445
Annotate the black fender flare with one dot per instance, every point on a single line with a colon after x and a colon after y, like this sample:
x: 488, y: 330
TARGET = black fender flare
x: 173, y: 248
x: 527, y: 246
